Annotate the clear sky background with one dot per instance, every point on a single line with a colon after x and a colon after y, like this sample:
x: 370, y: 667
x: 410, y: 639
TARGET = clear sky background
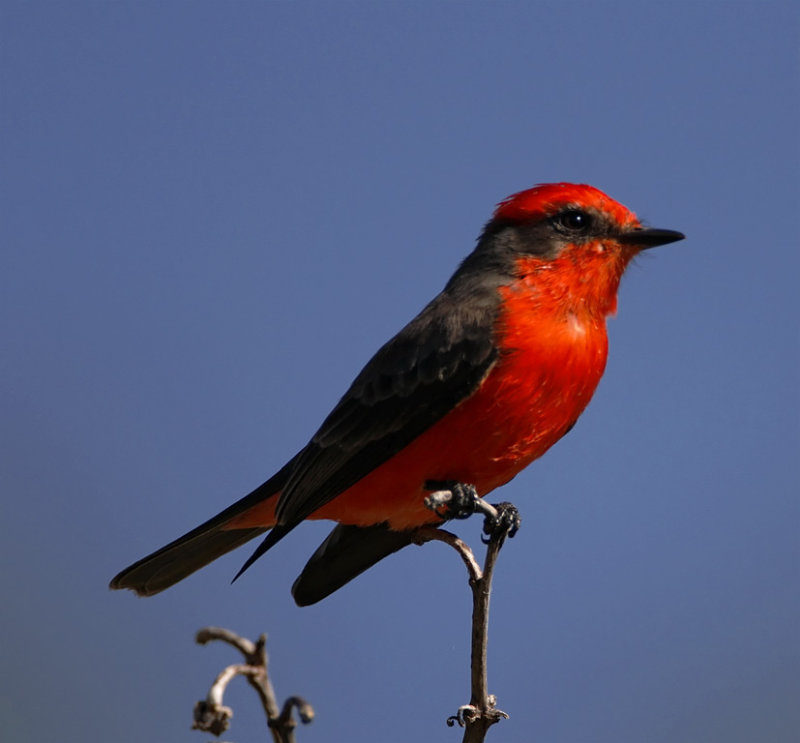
x: 213, y: 214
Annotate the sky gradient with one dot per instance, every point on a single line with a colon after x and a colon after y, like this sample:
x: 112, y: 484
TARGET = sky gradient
x: 214, y: 213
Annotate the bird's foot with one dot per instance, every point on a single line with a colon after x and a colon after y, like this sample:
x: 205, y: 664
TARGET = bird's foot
x: 504, y: 522
x: 452, y: 500
x: 449, y: 499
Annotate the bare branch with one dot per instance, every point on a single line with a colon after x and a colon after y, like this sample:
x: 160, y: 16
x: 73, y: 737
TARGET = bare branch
x: 432, y: 534
x: 212, y: 716
x: 485, y: 712
x: 501, y: 521
x: 246, y: 647
x: 476, y: 717
x: 304, y: 709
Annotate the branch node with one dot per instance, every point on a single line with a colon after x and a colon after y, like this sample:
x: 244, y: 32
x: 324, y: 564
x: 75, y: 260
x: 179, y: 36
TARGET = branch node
x: 491, y: 712
x: 465, y: 714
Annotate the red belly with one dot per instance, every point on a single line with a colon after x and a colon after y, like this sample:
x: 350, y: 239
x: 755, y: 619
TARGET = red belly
x: 530, y: 399
x: 519, y: 412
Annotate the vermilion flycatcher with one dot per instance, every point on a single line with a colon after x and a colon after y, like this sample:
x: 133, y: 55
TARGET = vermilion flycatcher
x: 489, y: 375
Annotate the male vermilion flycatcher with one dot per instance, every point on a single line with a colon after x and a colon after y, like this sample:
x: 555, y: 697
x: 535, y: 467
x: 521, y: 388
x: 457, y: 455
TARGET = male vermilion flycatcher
x: 489, y: 375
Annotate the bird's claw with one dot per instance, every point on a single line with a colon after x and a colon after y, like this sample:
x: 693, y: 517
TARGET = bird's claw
x: 449, y: 499
x: 505, y: 522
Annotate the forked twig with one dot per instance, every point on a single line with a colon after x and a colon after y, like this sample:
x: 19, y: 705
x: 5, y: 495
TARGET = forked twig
x: 211, y: 715
x: 481, y: 713
x: 476, y: 717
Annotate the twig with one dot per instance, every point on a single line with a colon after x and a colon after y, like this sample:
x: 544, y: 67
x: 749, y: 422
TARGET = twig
x: 212, y: 716
x: 481, y: 713
x: 433, y: 534
x: 486, y: 713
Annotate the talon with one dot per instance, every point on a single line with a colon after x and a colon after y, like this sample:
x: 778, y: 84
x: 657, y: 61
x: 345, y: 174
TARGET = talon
x: 452, y: 500
x: 505, y: 523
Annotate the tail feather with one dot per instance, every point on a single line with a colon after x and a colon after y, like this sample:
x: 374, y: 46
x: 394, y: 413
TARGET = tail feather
x: 196, y: 549
x: 181, y: 558
x: 346, y: 553
x: 278, y: 532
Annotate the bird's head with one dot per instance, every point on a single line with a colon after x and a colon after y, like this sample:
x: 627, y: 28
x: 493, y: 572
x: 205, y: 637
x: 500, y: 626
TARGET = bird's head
x: 568, y: 240
x: 552, y: 219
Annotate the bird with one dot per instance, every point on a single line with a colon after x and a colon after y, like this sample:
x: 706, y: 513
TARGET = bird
x: 483, y: 381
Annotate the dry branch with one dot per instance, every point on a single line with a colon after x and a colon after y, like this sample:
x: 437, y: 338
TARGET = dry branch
x: 481, y: 713
x: 212, y: 716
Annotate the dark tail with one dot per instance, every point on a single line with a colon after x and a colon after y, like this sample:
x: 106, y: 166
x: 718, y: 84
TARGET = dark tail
x: 192, y: 551
x: 346, y: 553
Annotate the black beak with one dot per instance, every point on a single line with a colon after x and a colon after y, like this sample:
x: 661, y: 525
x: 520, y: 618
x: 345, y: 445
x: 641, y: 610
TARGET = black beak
x: 650, y: 238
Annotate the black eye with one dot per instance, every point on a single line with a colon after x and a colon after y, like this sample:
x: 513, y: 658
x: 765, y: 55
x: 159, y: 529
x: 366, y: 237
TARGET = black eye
x: 574, y: 220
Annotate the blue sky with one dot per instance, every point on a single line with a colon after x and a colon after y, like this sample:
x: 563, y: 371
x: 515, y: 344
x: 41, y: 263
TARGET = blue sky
x: 215, y: 212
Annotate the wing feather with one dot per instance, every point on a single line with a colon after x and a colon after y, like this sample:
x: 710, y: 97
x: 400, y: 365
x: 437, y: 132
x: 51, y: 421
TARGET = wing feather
x: 433, y: 364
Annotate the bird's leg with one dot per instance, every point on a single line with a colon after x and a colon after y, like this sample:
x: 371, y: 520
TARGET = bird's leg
x: 450, y: 499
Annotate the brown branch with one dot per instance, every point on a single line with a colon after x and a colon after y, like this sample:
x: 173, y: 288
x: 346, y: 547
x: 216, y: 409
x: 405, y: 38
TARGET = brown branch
x: 476, y: 717
x: 481, y: 713
x: 485, y: 713
x: 245, y: 646
x: 212, y: 716
x: 432, y: 534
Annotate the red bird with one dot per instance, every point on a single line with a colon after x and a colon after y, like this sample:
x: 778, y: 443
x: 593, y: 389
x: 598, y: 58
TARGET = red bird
x: 495, y: 370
